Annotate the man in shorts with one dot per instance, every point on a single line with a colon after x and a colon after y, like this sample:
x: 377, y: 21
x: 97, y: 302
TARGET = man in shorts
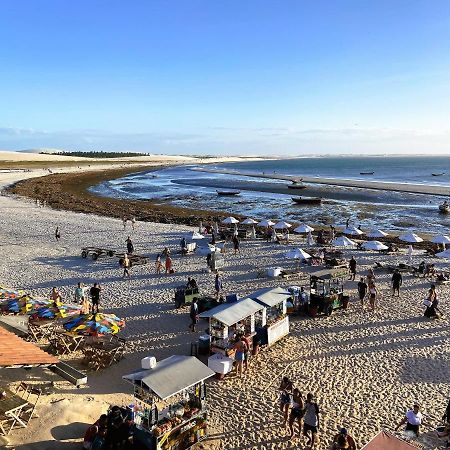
x: 362, y: 291
x: 95, y: 296
x: 311, y: 420
x: 397, y: 281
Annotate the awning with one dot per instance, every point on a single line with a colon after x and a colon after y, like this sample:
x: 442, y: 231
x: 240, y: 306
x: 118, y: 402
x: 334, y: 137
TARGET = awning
x: 328, y: 274
x: 387, y: 441
x: 232, y: 313
x: 171, y: 375
x: 270, y: 296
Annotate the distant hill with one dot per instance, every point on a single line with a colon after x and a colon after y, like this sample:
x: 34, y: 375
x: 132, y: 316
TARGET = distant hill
x: 99, y: 155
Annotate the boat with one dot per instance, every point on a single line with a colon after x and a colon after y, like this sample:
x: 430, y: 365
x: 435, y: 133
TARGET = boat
x: 228, y: 192
x: 438, y: 174
x: 296, y: 184
x: 366, y: 173
x: 307, y: 200
x: 444, y: 208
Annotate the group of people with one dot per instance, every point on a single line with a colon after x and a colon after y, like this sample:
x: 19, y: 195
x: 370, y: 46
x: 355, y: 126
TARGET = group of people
x: 167, y: 266
x: 367, y: 288
x: 125, y: 219
x: 82, y: 295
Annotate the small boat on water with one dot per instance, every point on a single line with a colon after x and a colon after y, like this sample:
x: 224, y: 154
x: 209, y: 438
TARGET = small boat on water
x: 227, y: 192
x: 366, y: 173
x: 307, y: 200
x: 444, y: 208
x: 438, y: 174
x: 296, y: 184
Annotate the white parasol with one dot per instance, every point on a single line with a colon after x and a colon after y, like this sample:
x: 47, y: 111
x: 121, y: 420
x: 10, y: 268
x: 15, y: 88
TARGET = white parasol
x: 343, y: 241
x: 282, y: 225
x: 194, y: 236
x: 266, y: 223
x: 230, y: 221
x: 249, y: 222
x: 297, y: 253
x: 374, y: 245
x: 441, y: 239
x: 410, y: 237
x: 303, y: 228
x: 353, y: 231
x: 377, y: 234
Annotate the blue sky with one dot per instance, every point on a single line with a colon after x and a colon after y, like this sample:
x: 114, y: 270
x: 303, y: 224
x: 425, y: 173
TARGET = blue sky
x: 226, y: 77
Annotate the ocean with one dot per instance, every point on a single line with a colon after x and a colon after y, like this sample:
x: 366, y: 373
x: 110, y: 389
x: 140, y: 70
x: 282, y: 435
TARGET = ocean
x: 262, y: 198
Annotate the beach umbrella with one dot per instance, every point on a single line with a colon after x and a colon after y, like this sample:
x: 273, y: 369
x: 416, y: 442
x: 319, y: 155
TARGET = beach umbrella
x: 230, y: 221
x: 52, y: 311
x: 343, y: 241
x: 353, y: 231
x: 23, y: 305
x: 410, y: 237
x: 196, y: 236
x: 282, y: 225
x: 297, y: 253
x: 309, y: 239
x: 374, y: 245
x: 266, y: 223
x: 94, y: 324
x: 6, y: 293
x: 441, y: 239
x: 377, y: 234
x: 444, y: 254
x: 249, y: 222
x: 303, y: 228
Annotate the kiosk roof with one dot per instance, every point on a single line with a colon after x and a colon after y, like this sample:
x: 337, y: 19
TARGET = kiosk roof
x: 232, y: 313
x: 270, y: 296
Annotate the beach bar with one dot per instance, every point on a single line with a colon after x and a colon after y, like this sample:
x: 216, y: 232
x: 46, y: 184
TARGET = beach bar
x: 170, y: 410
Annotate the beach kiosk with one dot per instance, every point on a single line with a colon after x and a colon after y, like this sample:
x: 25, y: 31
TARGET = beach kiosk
x: 327, y: 291
x: 170, y: 411
x: 276, y: 321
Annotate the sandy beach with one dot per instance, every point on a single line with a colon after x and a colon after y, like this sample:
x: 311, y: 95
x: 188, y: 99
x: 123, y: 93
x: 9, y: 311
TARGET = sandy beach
x: 365, y: 368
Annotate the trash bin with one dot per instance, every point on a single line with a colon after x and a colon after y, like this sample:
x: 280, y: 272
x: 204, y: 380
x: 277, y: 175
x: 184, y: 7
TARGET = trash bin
x: 204, y: 344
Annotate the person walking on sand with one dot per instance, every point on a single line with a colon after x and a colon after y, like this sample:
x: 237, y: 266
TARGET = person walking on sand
x: 413, y: 419
x: 397, y: 281
x: 218, y: 285
x: 124, y: 222
x: 133, y: 222
x: 236, y: 244
x: 126, y: 266
x: 362, y: 291
x: 372, y: 295
x: 285, y: 398
x: 57, y: 234
x: 193, y: 314
x: 352, y: 268
x: 169, y: 268
x: 297, y: 412
x: 130, y: 246
x: 158, y: 264
x: 95, y: 296
x: 311, y: 420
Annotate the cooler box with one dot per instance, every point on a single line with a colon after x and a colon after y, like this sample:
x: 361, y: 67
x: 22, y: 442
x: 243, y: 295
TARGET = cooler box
x: 220, y: 363
x: 149, y: 362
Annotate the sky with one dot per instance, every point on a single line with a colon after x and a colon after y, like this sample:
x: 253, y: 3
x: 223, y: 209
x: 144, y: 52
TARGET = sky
x: 228, y: 77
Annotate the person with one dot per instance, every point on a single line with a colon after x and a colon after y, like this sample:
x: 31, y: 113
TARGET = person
x: 218, y: 285
x: 99, y: 427
x: 372, y: 295
x: 133, y: 222
x: 432, y: 302
x: 79, y: 293
x: 352, y: 267
x: 168, y: 265
x: 303, y: 300
x: 183, y: 246
x: 130, y: 246
x: 362, y: 291
x: 126, y: 264
x: 191, y: 283
x: 413, y: 419
x: 285, y: 389
x: 85, y: 305
x: 311, y: 420
x: 297, y: 411
x: 55, y: 296
x: 421, y: 268
x: 57, y: 234
x: 397, y: 281
x: 124, y: 221
x: 429, y: 270
x: 193, y: 314
x: 236, y: 244
x: 343, y: 440
x: 95, y: 296
x: 241, y: 348
x: 246, y: 352
x: 446, y: 416
x: 158, y: 264
x: 347, y: 223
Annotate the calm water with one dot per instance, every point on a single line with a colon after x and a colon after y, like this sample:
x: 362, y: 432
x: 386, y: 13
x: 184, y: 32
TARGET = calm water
x: 386, y: 210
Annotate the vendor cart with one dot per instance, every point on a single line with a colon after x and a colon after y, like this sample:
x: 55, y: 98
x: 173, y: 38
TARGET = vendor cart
x: 135, y: 260
x: 96, y: 252
x: 327, y: 291
x: 170, y: 410
x: 185, y: 295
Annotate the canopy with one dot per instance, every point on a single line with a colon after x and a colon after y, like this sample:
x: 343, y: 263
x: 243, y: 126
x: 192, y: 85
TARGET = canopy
x: 353, y: 231
x: 440, y: 239
x: 230, y: 221
x: 56, y: 312
x: 444, y: 254
x: 387, y: 441
x: 282, y: 225
x: 374, y: 245
x: 303, y: 228
x: 377, y: 234
x: 232, y: 313
x: 343, y: 241
x: 297, y: 253
x: 270, y: 296
x: 94, y: 324
x: 249, y: 222
x: 22, y: 305
x: 6, y: 293
x: 410, y: 237
x: 328, y: 274
x: 266, y: 223
x: 196, y: 236
x: 171, y: 375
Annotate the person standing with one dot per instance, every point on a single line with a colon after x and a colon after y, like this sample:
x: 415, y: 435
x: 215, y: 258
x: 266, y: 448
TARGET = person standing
x: 95, y: 296
x: 169, y: 268
x: 362, y: 291
x: 193, y: 314
x: 372, y: 295
x: 432, y: 304
x: 130, y: 246
x: 218, y: 285
x: 124, y: 222
x: 79, y: 293
x: 352, y: 267
x: 311, y: 420
x: 446, y: 416
x: 241, y: 349
x: 236, y: 244
x: 158, y: 264
x: 413, y: 419
x: 297, y: 412
x: 55, y: 297
x: 126, y: 264
x: 285, y: 390
x: 397, y: 281
x: 133, y: 222
x: 57, y: 234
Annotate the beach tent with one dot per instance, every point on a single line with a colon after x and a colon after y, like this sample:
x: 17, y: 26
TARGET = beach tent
x: 230, y: 221
x: 297, y: 253
x: 266, y: 223
x: 196, y: 236
x: 377, y: 234
x: 282, y: 225
x: 410, y: 237
x: 343, y: 241
x: 353, y: 231
x: 303, y: 228
x: 441, y: 239
x: 387, y: 441
x: 374, y: 245
x: 249, y: 222
x: 444, y: 254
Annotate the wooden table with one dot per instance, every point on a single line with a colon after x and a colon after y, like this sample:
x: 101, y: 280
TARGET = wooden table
x: 11, y: 406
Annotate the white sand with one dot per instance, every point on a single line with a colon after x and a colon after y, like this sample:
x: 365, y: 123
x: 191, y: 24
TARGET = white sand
x: 365, y: 368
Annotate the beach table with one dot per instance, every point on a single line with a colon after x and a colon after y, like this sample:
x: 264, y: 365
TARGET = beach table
x: 40, y: 329
x: 65, y: 343
x: 11, y: 406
